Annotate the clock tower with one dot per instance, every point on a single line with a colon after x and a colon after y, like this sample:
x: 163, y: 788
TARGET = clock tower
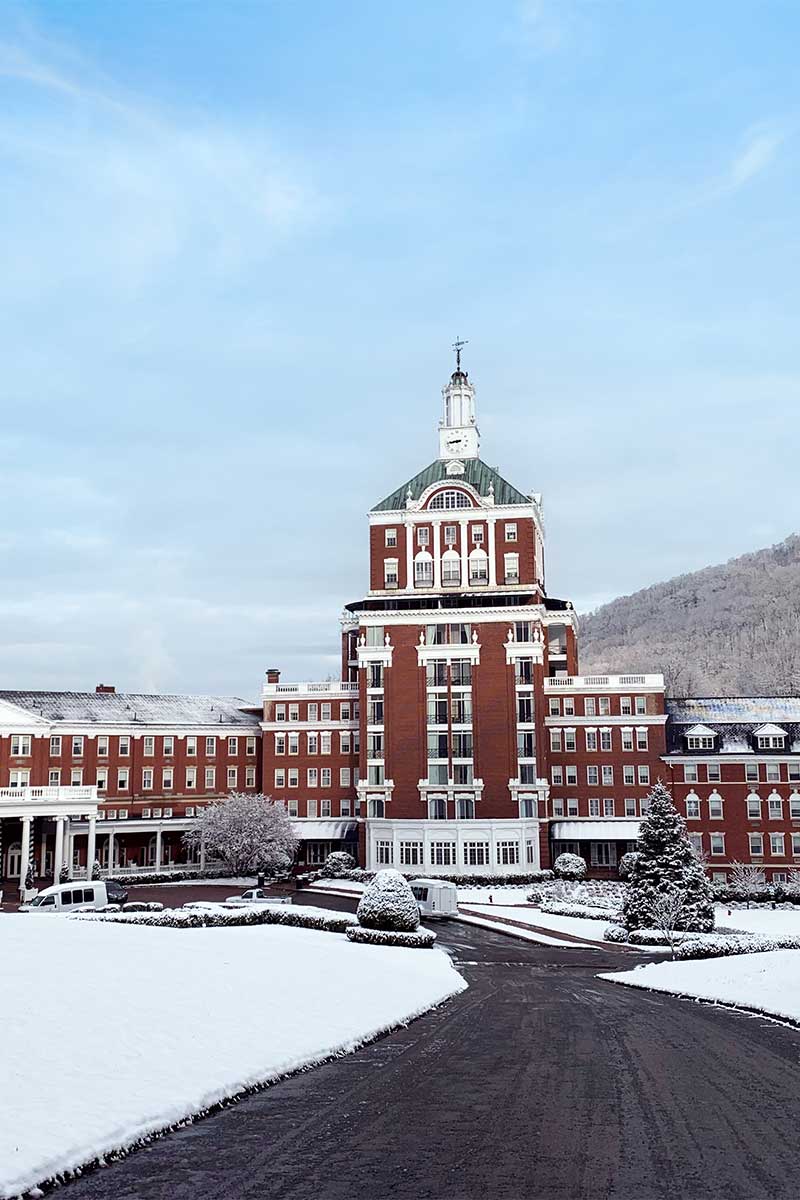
x: 458, y: 433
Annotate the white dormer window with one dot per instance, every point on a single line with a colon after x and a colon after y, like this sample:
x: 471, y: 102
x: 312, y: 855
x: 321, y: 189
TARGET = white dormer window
x: 700, y: 737
x: 390, y: 537
x: 770, y: 737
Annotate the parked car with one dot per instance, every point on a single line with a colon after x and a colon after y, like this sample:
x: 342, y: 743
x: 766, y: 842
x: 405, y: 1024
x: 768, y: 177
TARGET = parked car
x: 72, y: 897
x: 116, y: 892
x: 257, y: 896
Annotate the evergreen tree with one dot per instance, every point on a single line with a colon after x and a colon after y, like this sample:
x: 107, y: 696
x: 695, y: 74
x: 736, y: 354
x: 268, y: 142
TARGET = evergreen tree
x: 667, y: 863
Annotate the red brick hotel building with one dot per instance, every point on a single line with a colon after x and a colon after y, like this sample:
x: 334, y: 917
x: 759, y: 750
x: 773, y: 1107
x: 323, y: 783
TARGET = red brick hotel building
x: 461, y: 738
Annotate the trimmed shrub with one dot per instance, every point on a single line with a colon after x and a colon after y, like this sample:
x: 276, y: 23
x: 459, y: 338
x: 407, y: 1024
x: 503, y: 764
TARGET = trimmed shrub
x: 203, y: 918
x: 720, y: 946
x: 627, y: 863
x: 359, y: 875
x: 388, y: 903
x: 142, y: 906
x: 420, y: 939
x: 574, y: 910
x: 615, y: 933
x: 570, y: 866
x: 337, y: 864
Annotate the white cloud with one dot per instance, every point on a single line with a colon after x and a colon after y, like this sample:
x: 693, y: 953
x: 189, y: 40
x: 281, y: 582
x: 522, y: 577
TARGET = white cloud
x: 758, y: 152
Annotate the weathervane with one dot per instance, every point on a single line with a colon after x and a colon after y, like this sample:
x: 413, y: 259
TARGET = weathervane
x: 458, y: 345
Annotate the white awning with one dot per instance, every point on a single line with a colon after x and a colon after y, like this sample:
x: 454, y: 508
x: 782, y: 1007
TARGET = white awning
x: 312, y: 830
x: 611, y: 829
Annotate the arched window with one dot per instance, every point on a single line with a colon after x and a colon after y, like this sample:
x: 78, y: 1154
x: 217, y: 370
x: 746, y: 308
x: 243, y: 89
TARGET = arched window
x: 451, y: 569
x: 478, y: 567
x: 437, y: 809
x: 423, y: 569
x: 451, y: 498
x: 375, y: 807
x: 466, y: 809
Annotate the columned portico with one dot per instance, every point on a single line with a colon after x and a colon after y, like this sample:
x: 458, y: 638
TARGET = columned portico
x: 54, y: 804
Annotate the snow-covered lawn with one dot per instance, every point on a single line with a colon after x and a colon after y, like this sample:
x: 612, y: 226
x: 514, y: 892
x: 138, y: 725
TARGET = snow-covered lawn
x: 111, y: 1032
x: 506, y: 894
x: 768, y: 921
x: 768, y: 982
x: 577, y: 926
x: 338, y: 885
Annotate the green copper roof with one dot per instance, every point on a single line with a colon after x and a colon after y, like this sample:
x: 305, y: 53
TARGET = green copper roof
x: 476, y: 473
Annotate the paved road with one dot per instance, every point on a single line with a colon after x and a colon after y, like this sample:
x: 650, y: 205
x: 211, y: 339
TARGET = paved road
x: 538, y: 1083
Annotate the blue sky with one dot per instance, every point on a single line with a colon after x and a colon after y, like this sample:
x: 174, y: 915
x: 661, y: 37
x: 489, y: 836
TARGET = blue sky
x: 238, y: 238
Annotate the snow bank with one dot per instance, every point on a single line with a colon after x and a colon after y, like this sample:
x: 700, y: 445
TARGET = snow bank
x: 777, y: 922
x: 767, y: 982
x: 112, y: 1034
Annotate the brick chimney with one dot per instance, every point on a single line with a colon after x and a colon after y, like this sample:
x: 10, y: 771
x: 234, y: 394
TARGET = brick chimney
x: 105, y: 689
x: 273, y: 675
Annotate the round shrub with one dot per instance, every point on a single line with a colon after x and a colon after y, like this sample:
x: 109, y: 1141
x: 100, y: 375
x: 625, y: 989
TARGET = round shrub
x: 337, y: 864
x: 388, y: 903
x: 570, y: 866
x: 627, y: 863
x: 615, y: 933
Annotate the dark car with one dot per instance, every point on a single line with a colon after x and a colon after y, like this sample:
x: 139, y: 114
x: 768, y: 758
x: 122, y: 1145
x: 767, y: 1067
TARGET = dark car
x: 116, y: 892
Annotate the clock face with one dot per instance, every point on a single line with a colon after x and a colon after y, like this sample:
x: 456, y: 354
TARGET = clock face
x: 455, y: 443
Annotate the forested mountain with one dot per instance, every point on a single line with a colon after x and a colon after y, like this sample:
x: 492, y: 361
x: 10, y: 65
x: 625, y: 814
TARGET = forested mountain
x: 728, y: 630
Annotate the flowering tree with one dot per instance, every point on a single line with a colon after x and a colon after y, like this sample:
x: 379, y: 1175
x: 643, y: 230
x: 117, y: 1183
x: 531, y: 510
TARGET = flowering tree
x: 666, y: 863
x: 248, y: 833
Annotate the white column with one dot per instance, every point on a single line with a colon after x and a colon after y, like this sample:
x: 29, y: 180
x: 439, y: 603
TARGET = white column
x: 68, y: 846
x: 437, y: 556
x: 91, y: 846
x: 58, y: 857
x: 158, y: 848
x: 25, y: 850
x: 111, y: 852
x: 202, y: 854
x: 464, y: 555
x: 43, y: 851
x: 409, y: 531
x: 492, y: 554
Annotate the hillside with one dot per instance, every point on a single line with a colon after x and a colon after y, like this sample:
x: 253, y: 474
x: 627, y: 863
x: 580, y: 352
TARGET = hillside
x: 728, y: 630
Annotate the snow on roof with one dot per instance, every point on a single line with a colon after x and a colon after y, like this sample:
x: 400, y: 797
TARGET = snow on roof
x: 738, y: 709
x: 770, y: 731
x: 133, y: 708
x: 701, y: 731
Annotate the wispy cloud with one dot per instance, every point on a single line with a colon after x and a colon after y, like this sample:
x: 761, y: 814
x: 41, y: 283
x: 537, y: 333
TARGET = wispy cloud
x: 759, y: 149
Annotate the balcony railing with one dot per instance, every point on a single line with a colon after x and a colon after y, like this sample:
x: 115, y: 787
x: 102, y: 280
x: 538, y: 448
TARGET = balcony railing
x: 557, y: 682
x: 56, y: 794
x: 326, y: 687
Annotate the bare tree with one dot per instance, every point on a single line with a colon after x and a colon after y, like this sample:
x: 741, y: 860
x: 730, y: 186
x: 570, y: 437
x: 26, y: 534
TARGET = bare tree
x: 666, y: 909
x: 748, y: 879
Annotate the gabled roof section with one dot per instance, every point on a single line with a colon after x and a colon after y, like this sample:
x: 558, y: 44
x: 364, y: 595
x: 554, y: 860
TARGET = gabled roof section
x: 134, y: 709
x: 476, y: 473
x: 701, y: 731
x: 770, y: 731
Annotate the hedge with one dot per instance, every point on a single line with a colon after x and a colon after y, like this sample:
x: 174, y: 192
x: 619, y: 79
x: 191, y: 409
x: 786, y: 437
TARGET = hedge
x: 420, y: 939
x: 721, y: 946
x: 359, y: 875
x: 180, y: 918
x: 557, y: 909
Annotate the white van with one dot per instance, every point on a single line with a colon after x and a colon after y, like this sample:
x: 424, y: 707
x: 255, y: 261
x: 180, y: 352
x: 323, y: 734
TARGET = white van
x: 69, y: 897
x: 435, y: 897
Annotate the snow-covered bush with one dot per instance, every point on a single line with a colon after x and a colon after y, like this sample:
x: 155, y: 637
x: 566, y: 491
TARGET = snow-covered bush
x: 598, y: 893
x: 338, y: 864
x: 615, y: 933
x: 626, y: 864
x: 388, y: 903
x: 557, y: 909
x: 721, y: 946
x: 63, y: 874
x: 570, y: 866
x: 667, y: 864
x: 195, y: 918
x: 250, y: 834
x: 142, y: 906
x: 419, y: 939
